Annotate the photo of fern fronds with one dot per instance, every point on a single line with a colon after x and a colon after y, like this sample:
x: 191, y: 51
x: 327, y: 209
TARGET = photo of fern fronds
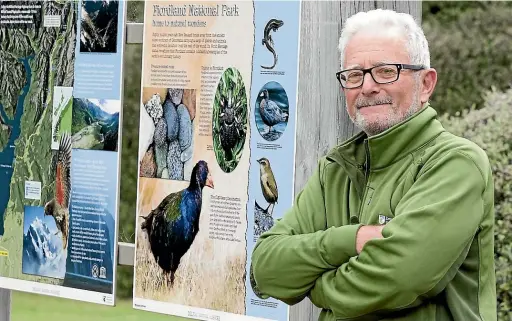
x: 229, y: 119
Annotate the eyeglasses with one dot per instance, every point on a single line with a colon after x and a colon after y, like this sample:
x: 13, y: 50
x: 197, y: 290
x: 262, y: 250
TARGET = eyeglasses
x: 381, y: 74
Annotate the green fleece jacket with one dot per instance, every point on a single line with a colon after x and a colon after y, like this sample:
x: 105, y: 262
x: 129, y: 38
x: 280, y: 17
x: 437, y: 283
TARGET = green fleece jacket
x: 432, y: 189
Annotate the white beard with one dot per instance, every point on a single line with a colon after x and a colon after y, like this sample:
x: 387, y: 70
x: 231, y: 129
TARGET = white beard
x: 393, y: 117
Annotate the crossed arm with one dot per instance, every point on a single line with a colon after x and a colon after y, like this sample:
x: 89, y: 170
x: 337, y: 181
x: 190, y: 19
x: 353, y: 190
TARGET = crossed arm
x: 297, y: 250
x: 299, y: 257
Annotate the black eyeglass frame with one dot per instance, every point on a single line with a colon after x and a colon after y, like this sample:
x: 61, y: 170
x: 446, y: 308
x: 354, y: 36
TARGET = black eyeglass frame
x: 368, y: 70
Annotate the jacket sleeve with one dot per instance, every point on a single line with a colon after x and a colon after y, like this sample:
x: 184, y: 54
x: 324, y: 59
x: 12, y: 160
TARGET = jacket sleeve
x: 298, y: 249
x: 423, y: 246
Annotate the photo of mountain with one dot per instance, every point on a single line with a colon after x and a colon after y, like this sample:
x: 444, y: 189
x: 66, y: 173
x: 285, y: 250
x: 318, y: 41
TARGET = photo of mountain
x: 99, y: 26
x: 95, y: 124
x: 43, y: 253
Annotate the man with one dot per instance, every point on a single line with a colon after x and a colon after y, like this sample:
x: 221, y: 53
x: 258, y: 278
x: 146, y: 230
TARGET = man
x: 397, y: 222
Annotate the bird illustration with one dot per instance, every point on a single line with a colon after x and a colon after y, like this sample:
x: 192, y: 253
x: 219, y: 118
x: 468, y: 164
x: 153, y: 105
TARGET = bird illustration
x: 58, y: 207
x: 270, y: 113
x: 268, y: 183
x: 173, y: 225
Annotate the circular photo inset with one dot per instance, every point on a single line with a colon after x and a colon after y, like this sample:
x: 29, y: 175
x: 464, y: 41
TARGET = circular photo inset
x: 271, y: 111
x: 229, y: 121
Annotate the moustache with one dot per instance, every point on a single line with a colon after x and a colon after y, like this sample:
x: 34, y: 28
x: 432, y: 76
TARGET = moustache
x: 360, y: 103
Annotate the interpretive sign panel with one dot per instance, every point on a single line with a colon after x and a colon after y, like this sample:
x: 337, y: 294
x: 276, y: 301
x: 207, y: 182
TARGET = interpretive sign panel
x: 60, y: 116
x: 216, y: 152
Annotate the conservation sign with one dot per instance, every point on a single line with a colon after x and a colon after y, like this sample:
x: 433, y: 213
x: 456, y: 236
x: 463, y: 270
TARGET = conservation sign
x: 216, y: 152
x: 60, y: 108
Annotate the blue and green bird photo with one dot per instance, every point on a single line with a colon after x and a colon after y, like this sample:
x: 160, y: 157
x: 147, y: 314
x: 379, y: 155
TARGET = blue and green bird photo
x: 173, y: 225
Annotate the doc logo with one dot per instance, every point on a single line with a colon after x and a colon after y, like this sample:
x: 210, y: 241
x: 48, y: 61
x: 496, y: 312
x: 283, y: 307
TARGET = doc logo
x: 383, y: 219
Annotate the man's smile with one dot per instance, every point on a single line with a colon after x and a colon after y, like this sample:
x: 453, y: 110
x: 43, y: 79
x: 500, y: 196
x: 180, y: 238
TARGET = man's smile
x: 369, y: 106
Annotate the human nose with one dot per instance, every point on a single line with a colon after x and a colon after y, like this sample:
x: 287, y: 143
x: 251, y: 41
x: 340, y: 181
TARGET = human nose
x: 369, y: 85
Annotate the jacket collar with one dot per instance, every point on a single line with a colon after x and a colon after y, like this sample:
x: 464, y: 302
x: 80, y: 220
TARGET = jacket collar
x: 391, y: 145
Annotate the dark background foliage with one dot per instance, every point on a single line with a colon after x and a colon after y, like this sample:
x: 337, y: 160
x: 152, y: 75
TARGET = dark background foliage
x: 470, y: 47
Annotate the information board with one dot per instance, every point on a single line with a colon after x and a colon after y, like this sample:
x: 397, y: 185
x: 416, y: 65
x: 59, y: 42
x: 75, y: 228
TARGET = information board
x: 216, y: 152
x: 60, y: 116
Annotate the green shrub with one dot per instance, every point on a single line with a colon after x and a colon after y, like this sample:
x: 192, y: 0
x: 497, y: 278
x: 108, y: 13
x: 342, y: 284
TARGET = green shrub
x: 491, y: 128
x: 447, y: 11
x: 471, y: 51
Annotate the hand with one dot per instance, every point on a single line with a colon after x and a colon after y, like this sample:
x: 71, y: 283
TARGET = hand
x: 366, y: 233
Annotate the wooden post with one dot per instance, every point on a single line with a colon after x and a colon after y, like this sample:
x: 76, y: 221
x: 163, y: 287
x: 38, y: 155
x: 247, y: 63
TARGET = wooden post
x: 322, y: 120
x: 5, y: 305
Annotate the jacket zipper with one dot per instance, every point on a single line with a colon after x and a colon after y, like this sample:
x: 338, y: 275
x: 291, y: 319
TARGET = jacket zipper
x: 366, y: 175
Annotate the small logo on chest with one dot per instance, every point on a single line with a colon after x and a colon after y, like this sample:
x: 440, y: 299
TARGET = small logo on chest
x: 383, y: 219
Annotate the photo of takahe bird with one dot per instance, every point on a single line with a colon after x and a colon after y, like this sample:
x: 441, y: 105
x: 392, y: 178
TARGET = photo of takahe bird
x: 58, y: 207
x: 173, y: 225
x: 271, y: 114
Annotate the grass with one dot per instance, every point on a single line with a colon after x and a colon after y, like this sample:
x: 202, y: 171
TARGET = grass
x: 199, y: 282
x: 27, y: 306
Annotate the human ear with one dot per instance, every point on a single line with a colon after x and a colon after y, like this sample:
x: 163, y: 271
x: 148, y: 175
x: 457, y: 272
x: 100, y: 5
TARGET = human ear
x: 428, y: 83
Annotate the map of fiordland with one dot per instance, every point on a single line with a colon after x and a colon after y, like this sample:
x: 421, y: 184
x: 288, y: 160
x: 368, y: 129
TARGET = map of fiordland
x: 36, y: 74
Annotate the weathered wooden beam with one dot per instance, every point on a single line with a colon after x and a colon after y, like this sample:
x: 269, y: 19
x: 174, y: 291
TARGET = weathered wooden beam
x: 5, y: 305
